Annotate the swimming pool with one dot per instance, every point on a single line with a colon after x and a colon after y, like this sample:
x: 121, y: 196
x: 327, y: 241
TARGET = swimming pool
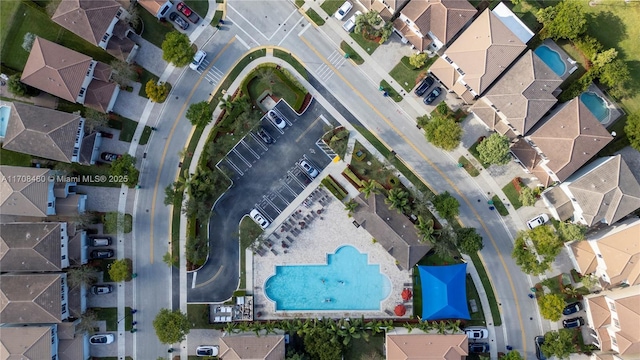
x: 5, y: 111
x: 552, y: 59
x: 346, y: 282
x: 596, y: 105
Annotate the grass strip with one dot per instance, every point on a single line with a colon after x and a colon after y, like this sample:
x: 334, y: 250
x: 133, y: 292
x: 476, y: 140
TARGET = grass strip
x: 315, y: 17
x: 477, y: 318
x: 391, y: 92
x: 353, y: 55
x: 497, y: 203
x: 110, y: 316
x: 468, y: 166
x: 367, y: 45
x: 511, y: 193
x: 249, y: 232
x: 286, y: 56
x: 488, y: 289
x: 233, y: 74
x: 299, y: 3
x: 8, y: 157
x: 199, y: 6
x: 331, y: 6
x: 217, y: 16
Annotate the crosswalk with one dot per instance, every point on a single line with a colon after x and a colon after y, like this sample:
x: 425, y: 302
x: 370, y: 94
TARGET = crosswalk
x: 324, y: 71
x: 214, y: 75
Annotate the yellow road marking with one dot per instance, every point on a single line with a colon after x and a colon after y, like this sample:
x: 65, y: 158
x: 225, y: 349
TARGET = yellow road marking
x: 166, y: 148
x: 308, y: 129
x: 442, y: 174
x: 212, y: 278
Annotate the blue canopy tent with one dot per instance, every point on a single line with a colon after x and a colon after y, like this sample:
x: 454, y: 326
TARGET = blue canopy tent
x: 444, y: 292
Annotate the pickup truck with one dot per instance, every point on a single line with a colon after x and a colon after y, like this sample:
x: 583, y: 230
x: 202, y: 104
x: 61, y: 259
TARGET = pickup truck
x: 350, y: 24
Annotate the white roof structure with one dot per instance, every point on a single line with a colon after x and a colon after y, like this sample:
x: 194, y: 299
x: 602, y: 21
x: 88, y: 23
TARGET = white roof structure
x: 513, y: 22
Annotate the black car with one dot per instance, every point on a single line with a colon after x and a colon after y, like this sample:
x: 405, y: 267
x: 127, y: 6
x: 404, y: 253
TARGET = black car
x: 424, y: 86
x: 539, y: 340
x: 184, y: 25
x: 572, y: 308
x: 573, y: 323
x: 433, y: 95
x: 102, y: 254
x: 264, y: 135
x: 478, y: 348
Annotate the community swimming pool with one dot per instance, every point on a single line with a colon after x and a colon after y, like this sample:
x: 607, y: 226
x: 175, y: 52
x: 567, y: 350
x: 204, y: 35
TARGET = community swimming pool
x: 5, y: 111
x: 346, y: 282
x: 596, y: 105
x: 552, y: 59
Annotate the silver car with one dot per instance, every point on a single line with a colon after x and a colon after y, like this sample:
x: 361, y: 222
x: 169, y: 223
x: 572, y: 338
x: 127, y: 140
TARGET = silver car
x: 102, y: 339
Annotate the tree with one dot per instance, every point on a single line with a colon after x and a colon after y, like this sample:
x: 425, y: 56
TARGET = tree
x: 422, y: 120
x: 372, y: 18
x: 443, y: 132
x: 318, y: 344
x: 18, y: 88
x: 199, y: 114
x: 546, y: 241
x: 566, y: 20
x: 350, y: 206
x: 468, y: 240
x: 525, y: 258
x: 94, y: 119
x: 157, y: 91
x: 398, y: 199
x: 370, y: 187
x: 418, y: 60
x: 171, y: 326
x: 494, y: 150
x: 551, y: 306
x: 589, y: 281
x: 87, y: 322
x: 616, y: 76
x: 446, y: 205
x: 425, y: 229
x: 528, y: 196
x: 27, y: 41
x: 513, y: 354
x: 170, y: 194
x: 123, y: 73
x: 558, y: 343
x: 571, y: 231
x: 123, y: 169
x: 82, y: 276
x: 196, y: 249
x: 177, y: 49
x: 603, y: 58
x: 120, y: 270
x: 632, y: 129
x: 385, y: 32
x: 445, y: 245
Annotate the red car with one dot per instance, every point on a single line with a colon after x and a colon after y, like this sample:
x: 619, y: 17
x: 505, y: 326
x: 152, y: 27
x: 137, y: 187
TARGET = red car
x: 184, y: 9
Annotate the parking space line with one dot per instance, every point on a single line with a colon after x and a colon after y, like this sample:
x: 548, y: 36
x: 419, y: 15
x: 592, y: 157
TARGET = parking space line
x: 250, y: 149
x: 294, y: 177
x: 286, y: 119
x: 304, y: 133
x: 237, y: 169
x: 282, y: 197
x: 290, y: 189
x: 271, y: 203
x: 259, y: 141
x: 263, y: 212
x: 235, y: 151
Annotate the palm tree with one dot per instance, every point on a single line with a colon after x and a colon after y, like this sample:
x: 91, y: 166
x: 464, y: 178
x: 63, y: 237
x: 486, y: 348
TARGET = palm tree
x: 270, y: 327
x: 409, y: 327
x: 257, y: 327
x: 442, y: 327
x: 87, y: 322
x: 426, y: 230
x: 387, y: 324
x: 350, y: 206
x: 82, y: 276
x: 453, y: 326
x: 398, y: 199
x: 424, y: 326
x: 370, y: 187
x: 227, y: 104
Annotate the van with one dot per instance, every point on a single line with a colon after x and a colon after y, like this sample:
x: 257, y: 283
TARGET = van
x: 164, y: 10
x: 104, y: 241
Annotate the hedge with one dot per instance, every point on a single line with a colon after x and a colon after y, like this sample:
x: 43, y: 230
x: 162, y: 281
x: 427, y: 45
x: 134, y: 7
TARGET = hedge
x: 350, y: 175
x: 335, y: 188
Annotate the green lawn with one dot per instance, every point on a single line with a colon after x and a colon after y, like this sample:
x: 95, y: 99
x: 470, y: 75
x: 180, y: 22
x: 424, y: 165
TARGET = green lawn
x: 127, y: 129
x: 234, y: 73
x: 279, y: 87
x: 103, y: 265
x: 512, y: 194
x: 406, y: 75
x: 110, y: 227
x: 217, y: 16
x: 477, y: 318
x: 473, y: 150
x: 110, y: 315
x: 468, y: 166
x: 199, y: 6
x: 363, y: 350
x: 353, y: 55
x: 331, y: 6
x: 376, y: 171
x: 13, y: 158
x: 286, y: 56
x: 315, y: 17
x: 154, y: 30
x: 249, y: 231
x: 367, y: 45
x: 145, y: 76
x: 8, y: 12
x: 486, y: 283
x: 526, y: 10
x: 299, y: 3
x: 497, y: 203
x: 390, y: 91
x: 198, y: 315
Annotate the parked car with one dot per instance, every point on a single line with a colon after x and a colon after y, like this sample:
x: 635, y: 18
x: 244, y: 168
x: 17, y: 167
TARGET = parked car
x: 424, y: 86
x: 476, y: 333
x: 433, y: 95
x: 343, y: 10
x: 572, y: 308
x: 198, y: 58
x: 182, y: 23
x: 537, y: 221
x: 478, y: 348
x: 101, y: 289
x: 164, y: 10
x: 186, y: 11
x: 311, y: 171
x: 101, y: 241
x: 101, y: 339
x: 102, y: 254
x: 539, y: 340
x: 573, y: 322
x: 277, y: 119
x: 107, y: 156
x: 350, y: 24
x: 259, y: 218
x: 207, y: 350
x: 264, y: 135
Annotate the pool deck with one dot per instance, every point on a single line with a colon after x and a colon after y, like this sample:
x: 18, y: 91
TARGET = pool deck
x: 614, y: 111
x: 570, y: 64
x: 322, y: 234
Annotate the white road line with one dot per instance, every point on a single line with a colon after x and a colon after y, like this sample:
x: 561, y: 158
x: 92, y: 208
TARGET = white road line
x: 250, y: 149
x: 283, y: 24
x: 193, y: 282
x: 290, y: 189
x: 282, y: 197
x: 235, y: 151
x: 271, y: 203
x: 305, y: 29
x: 293, y: 27
x: 248, y: 22
x: 242, y: 42
x: 259, y: 141
x: 237, y: 169
x: 241, y: 29
x: 296, y: 179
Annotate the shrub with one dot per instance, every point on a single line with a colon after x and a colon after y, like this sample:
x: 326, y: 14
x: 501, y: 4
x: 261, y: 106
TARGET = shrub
x: 393, y: 181
x: 418, y: 60
x: 349, y: 174
x: 27, y: 41
x: 334, y: 188
x: 157, y: 92
x: 359, y: 155
x: 176, y: 49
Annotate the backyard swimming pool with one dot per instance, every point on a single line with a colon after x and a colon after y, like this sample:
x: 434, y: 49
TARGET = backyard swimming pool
x: 346, y: 282
x: 596, y: 105
x: 5, y: 111
x: 552, y: 59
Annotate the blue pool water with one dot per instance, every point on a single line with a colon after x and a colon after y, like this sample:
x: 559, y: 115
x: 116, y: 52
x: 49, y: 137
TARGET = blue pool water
x: 4, y: 119
x: 552, y: 59
x: 346, y: 282
x: 596, y: 105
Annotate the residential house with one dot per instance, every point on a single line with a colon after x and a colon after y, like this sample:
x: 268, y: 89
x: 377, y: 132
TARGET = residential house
x: 153, y: 6
x: 613, y: 318
x: 431, y: 24
x: 54, y: 341
x: 49, y: 134
x: 237, y: 347
x: 478, y: 56
x: 426, y: 346
x: 520, y: 98
x: 386, y: 11
x: 70, y: 75
x: 103, y: 23
x: 33, y: 298
x: 562, y: 144
x: 604, y: 191
x: 612, y: 254
x: 393, y: 231
x: 33, y: 247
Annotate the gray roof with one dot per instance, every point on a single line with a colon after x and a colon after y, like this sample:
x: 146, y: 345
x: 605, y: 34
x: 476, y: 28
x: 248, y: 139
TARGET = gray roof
x: 41, y: 132
x: 30, y: 247
x: 32, y: 298
x: 25, y: 343
x: 391, y: 230
x: 21, y: 197
x: 560, y: 202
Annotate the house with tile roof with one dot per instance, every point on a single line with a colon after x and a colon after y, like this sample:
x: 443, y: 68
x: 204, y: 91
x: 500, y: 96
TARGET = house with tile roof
x: 520, y: 98
x: 613, y: 318
x: 386, y: 11
x: 55, y: 341
x: 481, y: 53
x: 103, y: 23
x: 251, y: 347
x: 393, y: 231
x: 611, y: 254
x: 33, y: 247
x: 152, y: 6
x: 604, y: 191
x: 70, y: 75
x: 562, y: 144
x: 33, y: 298
x: 49, y: 134
x: 430, y: 25
x: 426, y: 346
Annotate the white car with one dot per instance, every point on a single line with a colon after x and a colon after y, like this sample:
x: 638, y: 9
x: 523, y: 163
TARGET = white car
x: 344, y: 10
x: 101, y: 339
x: 198, y: 58
x: 207, y: 350
x: 277, y: 119
x: 311, y: 171
x: 351, y: 23
x: 259, y: 218
x: 476, y: 333
x: 537, y: 221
